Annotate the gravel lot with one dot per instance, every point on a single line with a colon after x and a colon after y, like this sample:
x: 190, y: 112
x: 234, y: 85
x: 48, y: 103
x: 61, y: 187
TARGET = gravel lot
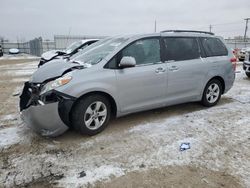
x: 139, y: 150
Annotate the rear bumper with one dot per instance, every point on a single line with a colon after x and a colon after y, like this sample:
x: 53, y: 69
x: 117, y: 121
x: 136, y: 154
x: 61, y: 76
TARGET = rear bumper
x: 229, y: 81
x: 44, y: 119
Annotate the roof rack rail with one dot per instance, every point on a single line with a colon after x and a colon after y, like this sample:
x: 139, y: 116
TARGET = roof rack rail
x: 187, y: 31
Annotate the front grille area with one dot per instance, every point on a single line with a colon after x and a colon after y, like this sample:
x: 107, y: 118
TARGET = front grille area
x: 29, y: 96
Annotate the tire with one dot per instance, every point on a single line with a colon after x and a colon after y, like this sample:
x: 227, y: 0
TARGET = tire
x: 88, y: 112
x: 248, y: 74
x: 212, y: 93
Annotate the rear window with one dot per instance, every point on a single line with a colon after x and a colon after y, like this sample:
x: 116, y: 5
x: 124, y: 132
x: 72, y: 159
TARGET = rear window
x: 214, y: 47
x: 181, y: 48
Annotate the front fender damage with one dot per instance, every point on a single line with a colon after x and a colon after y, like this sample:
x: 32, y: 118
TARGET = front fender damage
x: 47, y: 114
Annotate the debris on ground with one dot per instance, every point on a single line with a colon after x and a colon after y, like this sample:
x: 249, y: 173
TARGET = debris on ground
x: 184, y: 146
x: 82, y: 174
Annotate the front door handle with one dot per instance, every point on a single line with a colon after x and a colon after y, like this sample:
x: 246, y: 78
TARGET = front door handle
x: 173, y: 68
x: 160, y: 69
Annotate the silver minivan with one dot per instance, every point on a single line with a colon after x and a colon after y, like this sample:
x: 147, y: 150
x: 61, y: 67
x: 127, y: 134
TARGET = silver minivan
x: 120, y: 75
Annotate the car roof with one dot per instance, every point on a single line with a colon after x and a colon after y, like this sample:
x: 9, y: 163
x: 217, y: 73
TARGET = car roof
x: 188, y: 34
x: 170, y: 34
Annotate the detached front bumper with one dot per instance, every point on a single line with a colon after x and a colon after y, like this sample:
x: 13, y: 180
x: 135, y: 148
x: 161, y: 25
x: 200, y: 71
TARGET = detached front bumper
x: 44, y: 119
x: 46, y: 114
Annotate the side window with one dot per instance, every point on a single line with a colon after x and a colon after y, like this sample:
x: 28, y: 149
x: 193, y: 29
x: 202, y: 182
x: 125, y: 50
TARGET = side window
x: 111, y: 64
x: 214, y: 47
x: 144, y: 51
x: 180, y: 48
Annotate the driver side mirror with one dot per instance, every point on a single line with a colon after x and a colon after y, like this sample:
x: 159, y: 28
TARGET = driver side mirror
x: 127, y: 61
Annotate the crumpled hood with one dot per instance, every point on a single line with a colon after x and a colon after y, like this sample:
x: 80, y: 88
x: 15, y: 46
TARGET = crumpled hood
x: 53, y: 69
x: 50, y: 54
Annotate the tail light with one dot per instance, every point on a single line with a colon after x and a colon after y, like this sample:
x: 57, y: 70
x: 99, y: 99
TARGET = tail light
x: 233, y: 60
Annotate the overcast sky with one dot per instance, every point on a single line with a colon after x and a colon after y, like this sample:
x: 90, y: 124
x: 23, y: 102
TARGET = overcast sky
x: 26, y: 19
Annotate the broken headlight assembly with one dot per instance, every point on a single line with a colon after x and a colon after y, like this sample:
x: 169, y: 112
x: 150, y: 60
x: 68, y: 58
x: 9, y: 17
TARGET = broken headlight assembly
x: 56, y: 83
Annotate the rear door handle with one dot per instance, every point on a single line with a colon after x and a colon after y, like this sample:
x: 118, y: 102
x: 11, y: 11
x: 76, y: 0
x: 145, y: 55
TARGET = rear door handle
x: 173, y: 68
x: 160, y: 69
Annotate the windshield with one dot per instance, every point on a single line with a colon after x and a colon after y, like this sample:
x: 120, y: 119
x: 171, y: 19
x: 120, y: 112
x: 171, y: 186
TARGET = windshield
x: 99, y: 50
x: 73, y: 46
x: 84, y: 50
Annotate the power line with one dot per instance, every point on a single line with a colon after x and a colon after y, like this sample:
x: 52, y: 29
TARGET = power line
x: 211, y: 26
x: 228, y: 23
x: 228, y: 30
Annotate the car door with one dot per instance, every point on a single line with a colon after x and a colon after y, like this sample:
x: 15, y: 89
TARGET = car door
x: 143, y: 86
x: 186, y: 69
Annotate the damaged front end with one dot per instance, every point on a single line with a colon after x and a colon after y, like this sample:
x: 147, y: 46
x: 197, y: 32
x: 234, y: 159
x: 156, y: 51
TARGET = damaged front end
x: 42, y: 107
x: 45, y: 112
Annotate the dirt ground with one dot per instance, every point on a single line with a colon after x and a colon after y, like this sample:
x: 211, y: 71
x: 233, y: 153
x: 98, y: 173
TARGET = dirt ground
x: 139, y: 150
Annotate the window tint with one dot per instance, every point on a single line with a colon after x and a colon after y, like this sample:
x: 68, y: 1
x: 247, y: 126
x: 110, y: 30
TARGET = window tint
x: 111, y: 64
x: 144, y: 51
x: 213, y: 47
x: 179, y: 49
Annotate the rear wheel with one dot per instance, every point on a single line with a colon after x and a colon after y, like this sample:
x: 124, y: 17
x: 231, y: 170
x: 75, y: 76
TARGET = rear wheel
x: 91, y: 114
x: 248, y: 74
x: 212, y: 93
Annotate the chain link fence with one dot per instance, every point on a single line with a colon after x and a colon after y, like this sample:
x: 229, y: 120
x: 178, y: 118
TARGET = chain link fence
x: 37, y: 46
x: 237, y: 44
x: 33, y: 47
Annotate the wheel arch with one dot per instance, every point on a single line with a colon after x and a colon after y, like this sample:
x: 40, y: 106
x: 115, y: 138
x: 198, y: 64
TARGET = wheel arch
x: 219, y: 78
x: 107, y: 95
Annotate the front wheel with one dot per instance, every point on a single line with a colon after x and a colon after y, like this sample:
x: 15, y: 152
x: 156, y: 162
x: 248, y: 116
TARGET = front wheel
x: 91, y: 114
x: 248, y: 74
x: 212, y: 93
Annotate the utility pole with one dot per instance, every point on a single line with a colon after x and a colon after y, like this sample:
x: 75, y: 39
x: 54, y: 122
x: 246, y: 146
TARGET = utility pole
x: 245, y: 35
x: 155, y: 26
x: 210, y: 28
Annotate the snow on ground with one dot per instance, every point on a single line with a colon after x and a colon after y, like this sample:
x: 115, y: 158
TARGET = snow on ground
x: 9, y: 136
x: 156, y: 143
x: 19, y: 70
x: 17, y: 57
x: 6, y: 119
x: 10, y: 129
x: 218, y: 136
x: 241, y: 90
x: 92, y: 175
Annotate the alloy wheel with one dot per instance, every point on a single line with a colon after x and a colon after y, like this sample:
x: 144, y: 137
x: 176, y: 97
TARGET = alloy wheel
x: 213, y: 93
x: 95, y: 115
